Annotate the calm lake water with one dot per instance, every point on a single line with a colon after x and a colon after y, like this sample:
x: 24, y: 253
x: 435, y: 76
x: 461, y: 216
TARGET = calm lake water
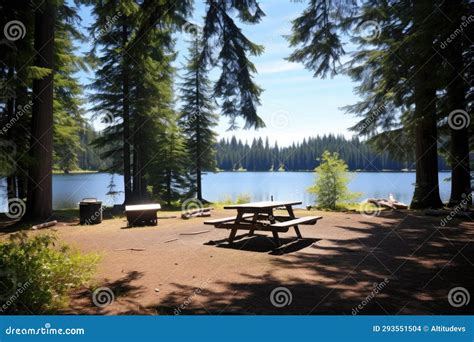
x: 68, y: 190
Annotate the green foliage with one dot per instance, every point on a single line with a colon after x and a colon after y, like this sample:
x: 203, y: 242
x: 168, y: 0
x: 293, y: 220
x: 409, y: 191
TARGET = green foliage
x: 169, y: 169
x: 223, y: 38
x: 331, y: 182
x: 240, y: 199
x: 197, y: 117
x: 243, y: 198
x: 37, y: 275
x: 67, y: 103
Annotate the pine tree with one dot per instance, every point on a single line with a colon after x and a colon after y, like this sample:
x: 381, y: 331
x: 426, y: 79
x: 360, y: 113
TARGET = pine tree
x: 111, y: 31
x: 399, y: 102
x: 197, y: 116
x: 68, y: 119
x: 40, y: 199
x: 170, y: 179
x: 226, y: 45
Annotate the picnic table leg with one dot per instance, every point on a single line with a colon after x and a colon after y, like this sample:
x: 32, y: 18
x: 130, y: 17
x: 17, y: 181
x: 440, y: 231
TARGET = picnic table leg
x: 233, y: 232
x: 254, y: 220
x: 276, y: 238
x: 292, y: 215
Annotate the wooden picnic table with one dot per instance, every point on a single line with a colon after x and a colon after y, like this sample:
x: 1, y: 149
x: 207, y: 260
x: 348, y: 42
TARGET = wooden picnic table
x: 259, y: 216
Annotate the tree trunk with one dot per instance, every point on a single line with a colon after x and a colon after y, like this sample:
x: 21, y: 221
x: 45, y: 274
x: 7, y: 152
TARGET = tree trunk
x: 168, y: 187
x: 457, y: 88
x: 10, y: 112
x: 126, y: 121
x: 39, y: 204
x: 198, y: 134
x: 426, y: 145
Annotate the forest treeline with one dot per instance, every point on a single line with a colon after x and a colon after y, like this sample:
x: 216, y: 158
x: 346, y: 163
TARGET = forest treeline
x: 260, y: 155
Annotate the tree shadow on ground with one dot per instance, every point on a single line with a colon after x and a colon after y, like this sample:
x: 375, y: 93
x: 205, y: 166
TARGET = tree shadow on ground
x: 403, y: 264
x: 90, y: 300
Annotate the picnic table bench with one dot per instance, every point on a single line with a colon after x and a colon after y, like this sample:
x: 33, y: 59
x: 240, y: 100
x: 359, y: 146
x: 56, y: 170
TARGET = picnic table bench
x: 142, y: 214
x: 258, y: 216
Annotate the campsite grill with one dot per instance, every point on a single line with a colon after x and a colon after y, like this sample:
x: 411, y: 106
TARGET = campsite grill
x: 90, y: 211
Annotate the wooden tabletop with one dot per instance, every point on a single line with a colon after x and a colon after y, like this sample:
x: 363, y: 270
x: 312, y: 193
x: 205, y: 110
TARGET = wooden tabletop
x: 261, y: 205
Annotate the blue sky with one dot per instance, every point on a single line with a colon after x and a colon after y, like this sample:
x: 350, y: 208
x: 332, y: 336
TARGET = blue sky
x: 294, y: 104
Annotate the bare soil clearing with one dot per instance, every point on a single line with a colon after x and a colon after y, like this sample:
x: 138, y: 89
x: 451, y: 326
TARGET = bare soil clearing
x: 170, y: 269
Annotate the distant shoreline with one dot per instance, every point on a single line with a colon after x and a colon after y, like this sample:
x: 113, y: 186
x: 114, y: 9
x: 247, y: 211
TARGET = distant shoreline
x: 312, y: 171
x: 78, y: 172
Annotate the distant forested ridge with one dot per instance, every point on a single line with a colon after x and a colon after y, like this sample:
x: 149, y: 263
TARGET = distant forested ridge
x: 233, y: 154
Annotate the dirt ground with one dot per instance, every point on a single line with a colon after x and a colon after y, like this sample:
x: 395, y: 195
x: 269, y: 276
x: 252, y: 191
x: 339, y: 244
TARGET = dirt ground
x: 348, y: 263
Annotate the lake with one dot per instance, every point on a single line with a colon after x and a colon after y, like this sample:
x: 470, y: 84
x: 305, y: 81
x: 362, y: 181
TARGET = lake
x: 68, y: 190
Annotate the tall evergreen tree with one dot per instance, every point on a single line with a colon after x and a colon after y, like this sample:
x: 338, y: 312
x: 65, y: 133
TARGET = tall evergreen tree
x: 198, y: 117
x: 68, y: 120
x: 454, y: 64
x: 40, y: 199
x: 399, y: 103
x: 111, y: 31
x: 169, y: 169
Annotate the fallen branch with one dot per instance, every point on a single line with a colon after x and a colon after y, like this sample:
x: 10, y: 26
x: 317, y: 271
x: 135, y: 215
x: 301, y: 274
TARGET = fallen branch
x: 45, y: 225
x: 171, y: 240
x: 390, y: 203
x: 196, y: 233
x: 201, y: 212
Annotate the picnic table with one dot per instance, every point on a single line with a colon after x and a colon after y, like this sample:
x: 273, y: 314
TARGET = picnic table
x: 258, y: 216
x: 142, y: 214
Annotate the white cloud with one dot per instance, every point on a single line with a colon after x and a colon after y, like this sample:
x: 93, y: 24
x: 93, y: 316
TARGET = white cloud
x: 277, y: 66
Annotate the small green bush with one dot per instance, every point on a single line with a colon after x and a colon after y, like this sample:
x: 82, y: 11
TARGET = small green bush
x: 240, y: 199
x: 36, y: 275
x: 330, y: 186
x: 243, y: 198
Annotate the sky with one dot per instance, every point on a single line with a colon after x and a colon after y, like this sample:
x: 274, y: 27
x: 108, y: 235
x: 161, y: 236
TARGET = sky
x: 294, y: 104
